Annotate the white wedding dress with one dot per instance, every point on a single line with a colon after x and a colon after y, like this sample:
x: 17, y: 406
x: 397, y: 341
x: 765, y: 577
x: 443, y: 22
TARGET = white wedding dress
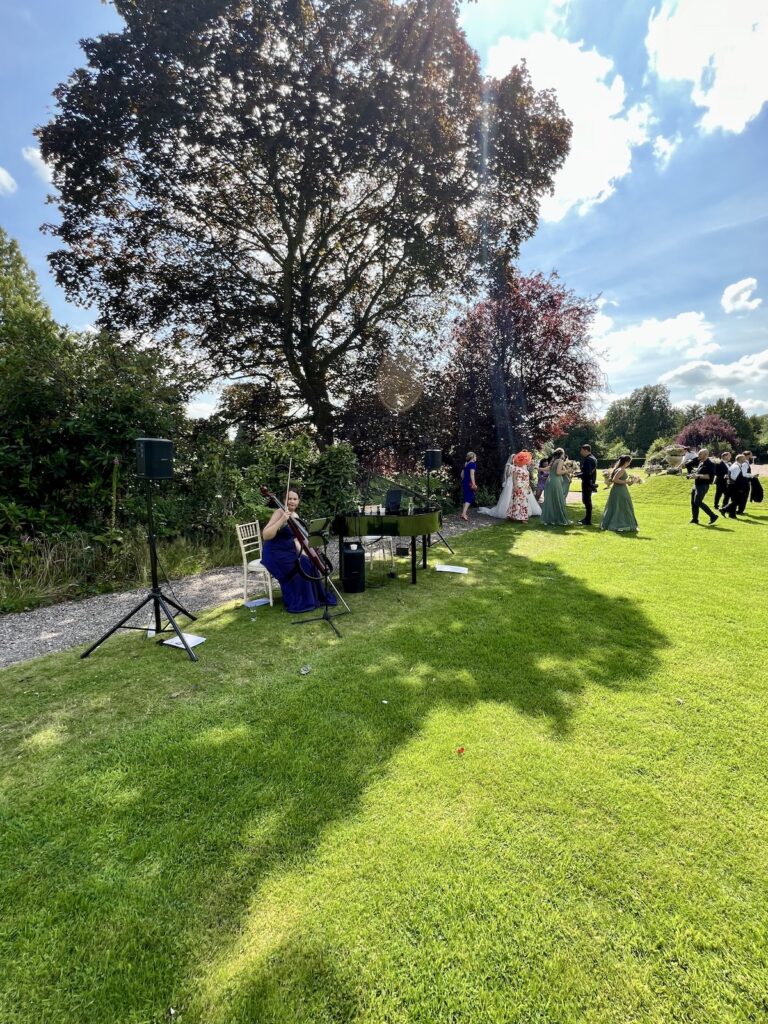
x: 500, y: 509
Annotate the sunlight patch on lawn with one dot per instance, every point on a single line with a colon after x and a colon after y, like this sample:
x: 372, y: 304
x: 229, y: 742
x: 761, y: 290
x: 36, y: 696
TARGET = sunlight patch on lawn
x: 44, y: 739
x: 219, y: 736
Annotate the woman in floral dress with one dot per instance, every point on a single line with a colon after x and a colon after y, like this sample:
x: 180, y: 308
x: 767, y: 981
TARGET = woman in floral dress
x: 519, y: 506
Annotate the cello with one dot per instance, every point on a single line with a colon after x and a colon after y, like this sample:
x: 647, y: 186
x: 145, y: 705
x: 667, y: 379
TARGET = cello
x: 320, y: 562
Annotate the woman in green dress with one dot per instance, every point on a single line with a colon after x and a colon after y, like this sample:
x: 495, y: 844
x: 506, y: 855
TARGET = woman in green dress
x: 565, y: 479
x: 554, y: 512
x: 619, y: 514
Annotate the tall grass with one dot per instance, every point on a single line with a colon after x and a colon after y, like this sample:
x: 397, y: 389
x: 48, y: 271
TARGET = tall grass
x: 43, y: 571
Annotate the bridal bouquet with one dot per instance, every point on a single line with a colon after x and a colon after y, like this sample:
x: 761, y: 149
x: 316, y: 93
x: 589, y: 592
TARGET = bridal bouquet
x: 572, y: 467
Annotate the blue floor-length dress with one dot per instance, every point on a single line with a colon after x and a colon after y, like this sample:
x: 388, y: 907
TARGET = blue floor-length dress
x: 468, y: 495
x: 280, y: 559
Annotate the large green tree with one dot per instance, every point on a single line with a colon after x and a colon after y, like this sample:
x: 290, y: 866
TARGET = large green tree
x: 69, y: 406
x: 637, y: 420
x: 35, y: 370
x: 687, y: 414
x: 728, y: 409
x: 279, y: 183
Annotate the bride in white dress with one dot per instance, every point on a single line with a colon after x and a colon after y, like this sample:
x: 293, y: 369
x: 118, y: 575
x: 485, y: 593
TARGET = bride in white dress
x: 501, y: 508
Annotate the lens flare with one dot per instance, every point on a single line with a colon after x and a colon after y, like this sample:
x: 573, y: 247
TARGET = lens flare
x: 398, y: 384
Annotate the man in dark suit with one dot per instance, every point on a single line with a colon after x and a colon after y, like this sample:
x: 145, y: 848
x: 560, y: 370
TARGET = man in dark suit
x: 588, y: 476
x: 721, y: 477
x: 705, y: 474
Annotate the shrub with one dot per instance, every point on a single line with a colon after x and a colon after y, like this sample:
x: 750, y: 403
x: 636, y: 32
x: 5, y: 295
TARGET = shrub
x: 656, y: 452
x: 712, y: 431
x: 327, y: 480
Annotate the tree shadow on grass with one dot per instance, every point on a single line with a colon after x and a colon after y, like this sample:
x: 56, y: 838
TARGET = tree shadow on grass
x: 135, y: 852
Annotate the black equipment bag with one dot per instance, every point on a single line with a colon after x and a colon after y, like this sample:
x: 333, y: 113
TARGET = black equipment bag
x: 757, y: 490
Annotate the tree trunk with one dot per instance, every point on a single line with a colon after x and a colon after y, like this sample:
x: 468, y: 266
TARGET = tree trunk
x: 319, y: 402
x: 501, y: 418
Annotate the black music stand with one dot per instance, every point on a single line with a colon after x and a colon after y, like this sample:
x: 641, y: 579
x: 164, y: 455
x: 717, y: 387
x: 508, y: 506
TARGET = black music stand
x: 392, y: 501
x: 328, y: 616
x: 160, y: 601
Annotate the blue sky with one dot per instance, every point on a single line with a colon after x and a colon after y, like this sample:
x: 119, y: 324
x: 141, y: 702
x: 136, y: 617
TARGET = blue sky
x: 661, y: 210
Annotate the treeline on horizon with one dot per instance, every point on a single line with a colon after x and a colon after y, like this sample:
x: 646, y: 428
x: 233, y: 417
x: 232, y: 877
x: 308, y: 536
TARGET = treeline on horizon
x: 72, y: 404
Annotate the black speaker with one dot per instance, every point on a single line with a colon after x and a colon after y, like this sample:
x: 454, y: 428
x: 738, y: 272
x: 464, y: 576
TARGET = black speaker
x: 154, y: 458
x: 353, y: 569
x: 433, y: 459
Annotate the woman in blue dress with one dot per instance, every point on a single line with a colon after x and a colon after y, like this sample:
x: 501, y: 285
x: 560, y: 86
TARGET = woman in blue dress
x: 281, y: 556
x: 468, y: 484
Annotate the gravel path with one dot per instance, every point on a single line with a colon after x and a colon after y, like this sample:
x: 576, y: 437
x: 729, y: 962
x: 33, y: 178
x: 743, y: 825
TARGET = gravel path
x: 25, y: 635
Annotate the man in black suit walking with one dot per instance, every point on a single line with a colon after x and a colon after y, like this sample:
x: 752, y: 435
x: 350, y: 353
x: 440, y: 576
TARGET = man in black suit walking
x: 588, y: 476
x: 721, y: 477
x: 705, y: 474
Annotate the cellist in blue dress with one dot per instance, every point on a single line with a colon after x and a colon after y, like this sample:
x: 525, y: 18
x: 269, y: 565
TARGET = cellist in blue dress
x: 281, y: 556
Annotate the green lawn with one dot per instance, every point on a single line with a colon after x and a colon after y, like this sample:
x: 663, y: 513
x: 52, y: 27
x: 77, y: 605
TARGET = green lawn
x: 246, y: 844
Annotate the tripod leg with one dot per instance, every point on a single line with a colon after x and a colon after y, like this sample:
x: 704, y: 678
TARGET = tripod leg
x: 442, y: 538
x: 179, y: 608
x: 172, y: 622
x: 115, y: 628
x: 331, y: 623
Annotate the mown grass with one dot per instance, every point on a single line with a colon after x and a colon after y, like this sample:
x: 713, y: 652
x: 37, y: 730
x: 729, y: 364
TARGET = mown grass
x: 246, y: 844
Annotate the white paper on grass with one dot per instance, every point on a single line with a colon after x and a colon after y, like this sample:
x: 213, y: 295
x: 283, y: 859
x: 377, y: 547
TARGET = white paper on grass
x: 192, y: 641
x: 452, y: 568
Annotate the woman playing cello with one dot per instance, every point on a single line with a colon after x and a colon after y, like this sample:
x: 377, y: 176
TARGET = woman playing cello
x: 302, y: 586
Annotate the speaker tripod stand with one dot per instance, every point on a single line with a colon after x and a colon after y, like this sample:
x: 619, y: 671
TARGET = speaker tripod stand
x: 439, y: 534
x: 160, y: 602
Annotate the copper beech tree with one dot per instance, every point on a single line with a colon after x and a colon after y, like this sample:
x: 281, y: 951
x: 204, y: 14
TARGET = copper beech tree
x: 520, y: 364
x: 276, y: 184
x: 514, y: 370
x: 710, y: 430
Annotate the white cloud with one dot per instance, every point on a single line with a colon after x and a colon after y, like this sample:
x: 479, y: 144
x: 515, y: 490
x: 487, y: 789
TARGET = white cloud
x: 689, y: 334
x: 488, y: 19
x: 7, y: 185
x: 750, y: 373
x: 712, y: 394
x: 663, y: 149
x: 720, y: 48
x: 34, y: 158
x: 755, y: 406
x: 593, y: 96
x: 737, y: 297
